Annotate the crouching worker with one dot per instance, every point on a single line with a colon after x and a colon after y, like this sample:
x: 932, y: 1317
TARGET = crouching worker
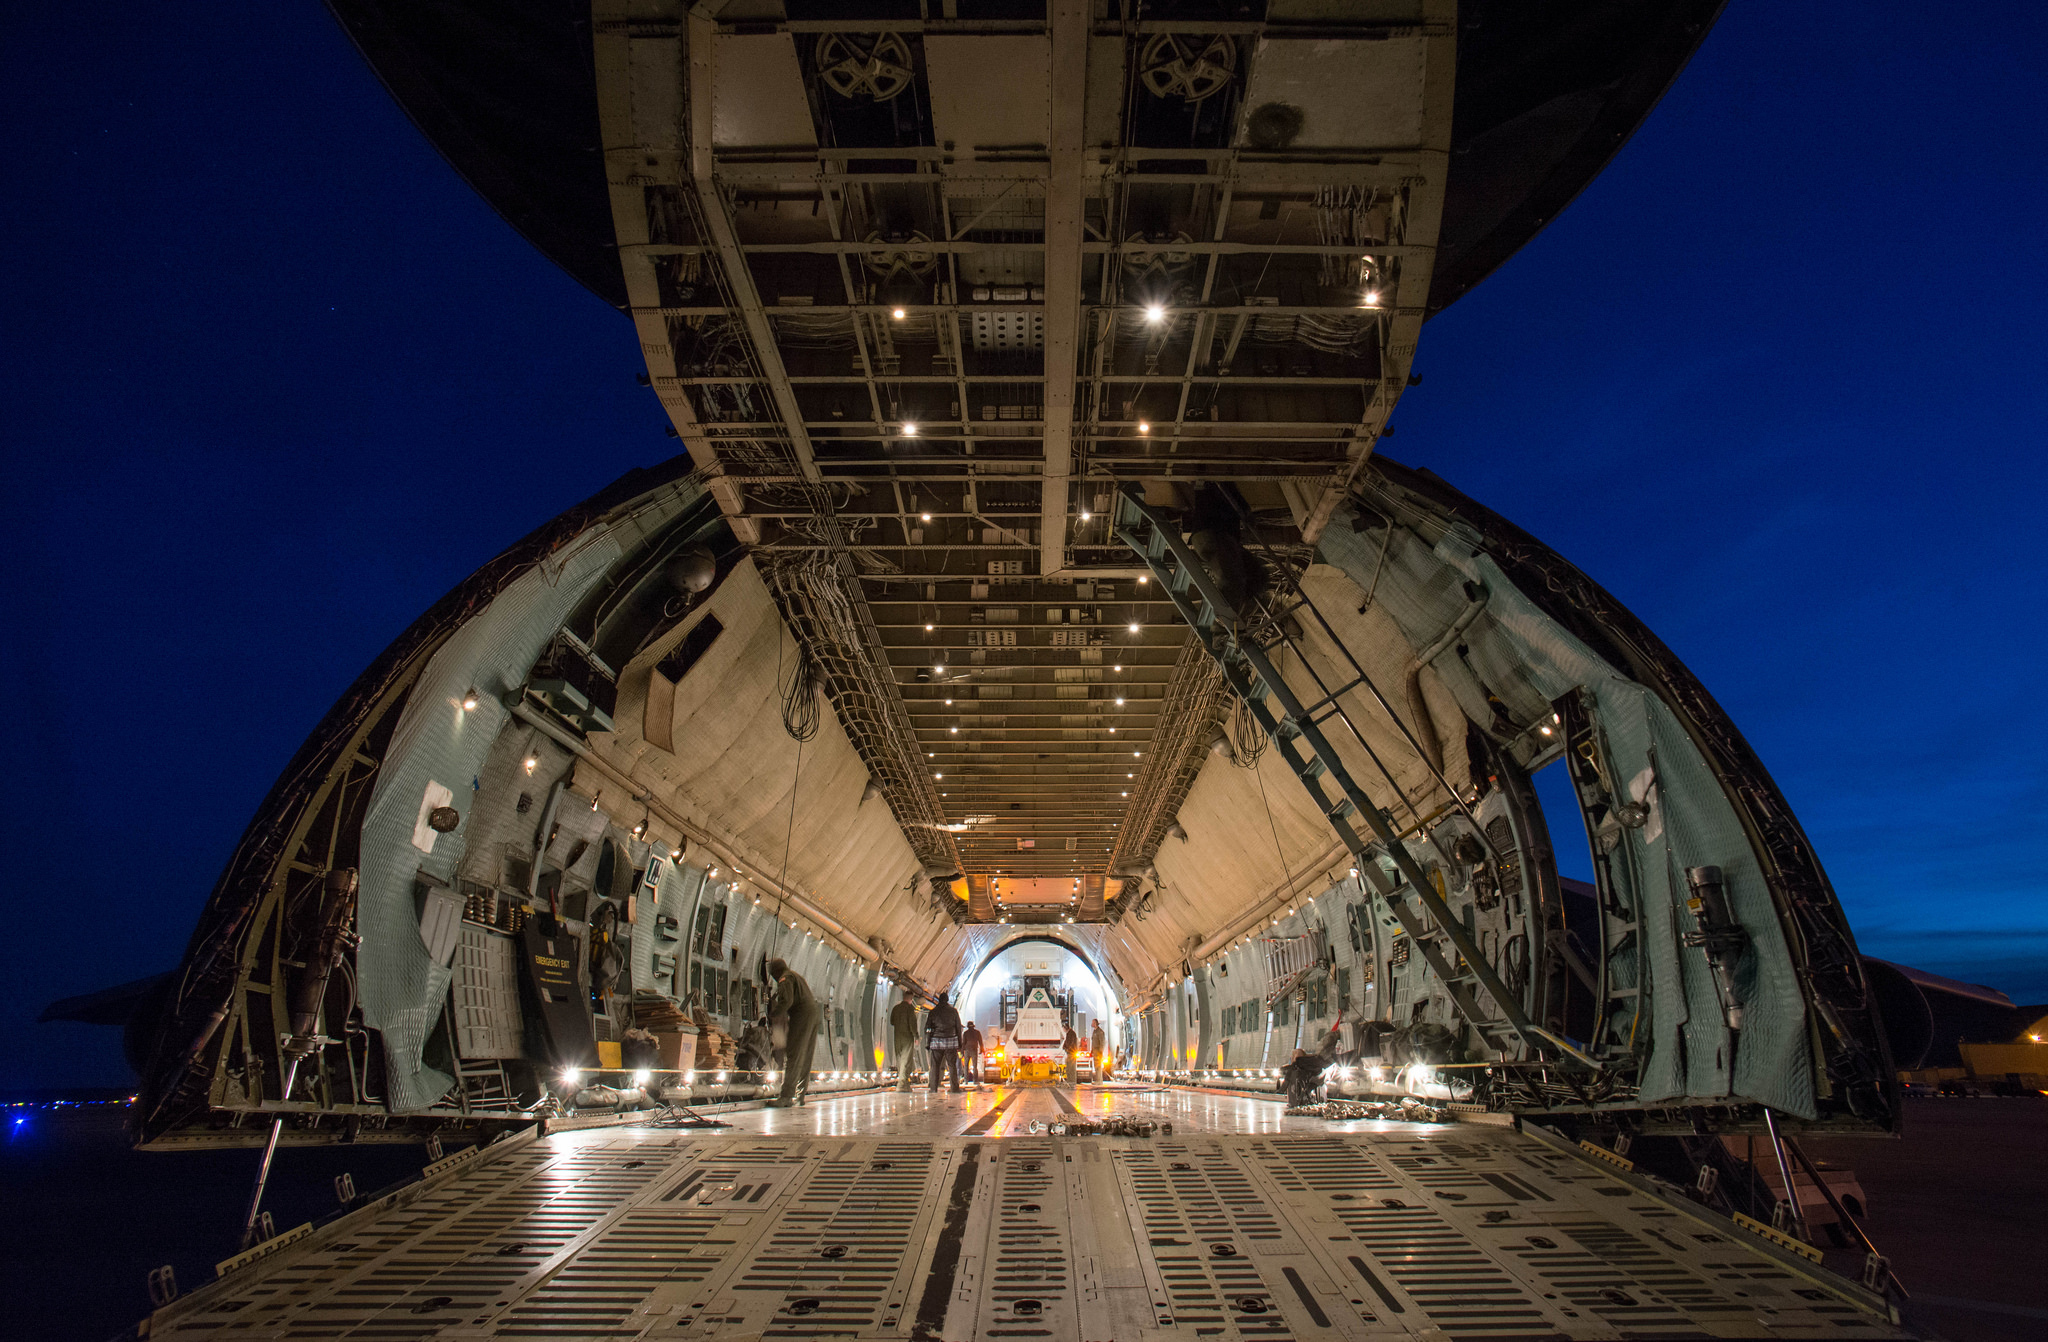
x: 1303, y: 1076
x: 793, y: 1001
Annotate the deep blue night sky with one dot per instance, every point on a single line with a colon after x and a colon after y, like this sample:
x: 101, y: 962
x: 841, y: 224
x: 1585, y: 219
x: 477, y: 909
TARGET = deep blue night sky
x: 275, y: 379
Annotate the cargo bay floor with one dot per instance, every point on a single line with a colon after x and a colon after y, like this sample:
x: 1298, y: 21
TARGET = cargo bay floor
x: 931, y: 1217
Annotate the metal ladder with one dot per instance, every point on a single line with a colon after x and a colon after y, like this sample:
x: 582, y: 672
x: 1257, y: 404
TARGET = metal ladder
x: 1296, y: 732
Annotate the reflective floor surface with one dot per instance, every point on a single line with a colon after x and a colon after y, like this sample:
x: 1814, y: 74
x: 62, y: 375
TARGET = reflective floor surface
x: 893, y: 1216
x: 922, y: 1113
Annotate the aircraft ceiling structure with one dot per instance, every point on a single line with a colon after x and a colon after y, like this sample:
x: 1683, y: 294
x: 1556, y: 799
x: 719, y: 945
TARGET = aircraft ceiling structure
x: 1034, y: 569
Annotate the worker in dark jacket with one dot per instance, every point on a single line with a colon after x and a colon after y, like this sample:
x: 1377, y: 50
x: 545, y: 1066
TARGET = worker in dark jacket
x: 970, y: 1053
x: 942, y: 1041
x: 1303, y: 1075
x: 903, y: 1034
x: 794, y: 1002
x: 1072, y: 1045
x: 1098, y: 1044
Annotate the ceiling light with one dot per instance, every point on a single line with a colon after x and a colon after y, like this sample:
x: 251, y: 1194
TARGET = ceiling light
x: 1112, y: 731
x: 949, y: 703
x: 1119, y: 703
x: 939, y: 776
x: 1372, y: 298
x: 1136, y: 753
x: 1143, y: 427
x: 939, y: 667
x: 1130, y: 775
x: 952, y: 731
x: 470, y: 700
x: 909, y: 430
x: 928, y: 628
x: 897, y: 313
x: 532, y: 763
x: 925, y: 517
x: 1155, y: 313
x: 1086, y: 515
x: 1134, y: 626
x: 1118, y: 667
x: 1123, y: 794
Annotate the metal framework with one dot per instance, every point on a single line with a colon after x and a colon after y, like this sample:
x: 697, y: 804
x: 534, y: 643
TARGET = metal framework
x: 925, y: 328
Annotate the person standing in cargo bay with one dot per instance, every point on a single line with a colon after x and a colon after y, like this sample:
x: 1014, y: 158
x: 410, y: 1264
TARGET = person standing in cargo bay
x: 942, y: 1042
x: 794, y: 1002
x: 903, y: 1034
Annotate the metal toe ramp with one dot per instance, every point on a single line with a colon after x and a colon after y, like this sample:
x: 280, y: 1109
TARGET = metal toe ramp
x: 1457, y: 1233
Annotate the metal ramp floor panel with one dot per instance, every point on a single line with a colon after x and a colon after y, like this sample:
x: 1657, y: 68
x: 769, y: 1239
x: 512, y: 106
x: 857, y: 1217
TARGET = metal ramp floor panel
x: 1443, y: 1233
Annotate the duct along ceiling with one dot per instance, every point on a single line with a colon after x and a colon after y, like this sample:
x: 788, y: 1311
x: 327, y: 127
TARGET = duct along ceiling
x: 1034, y: 568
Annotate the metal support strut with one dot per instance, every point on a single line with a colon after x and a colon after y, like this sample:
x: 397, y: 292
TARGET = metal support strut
x: 1251, y: 675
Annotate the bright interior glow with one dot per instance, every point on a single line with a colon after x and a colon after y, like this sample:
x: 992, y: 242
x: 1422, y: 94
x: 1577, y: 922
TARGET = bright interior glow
x: 572, y: 1077
x: 1155, y: 313
x: 642, y: 1077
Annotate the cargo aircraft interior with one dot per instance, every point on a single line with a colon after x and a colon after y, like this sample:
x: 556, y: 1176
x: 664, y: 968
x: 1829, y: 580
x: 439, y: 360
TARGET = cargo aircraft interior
x: 1024, y: 826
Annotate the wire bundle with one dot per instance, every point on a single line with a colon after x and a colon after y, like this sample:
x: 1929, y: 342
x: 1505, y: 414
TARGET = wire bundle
x: 800, y: 713
x: 1248, y: 740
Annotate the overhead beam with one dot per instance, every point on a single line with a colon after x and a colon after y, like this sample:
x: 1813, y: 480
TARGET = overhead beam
x: 1064, y: 228
x: 732, y: 258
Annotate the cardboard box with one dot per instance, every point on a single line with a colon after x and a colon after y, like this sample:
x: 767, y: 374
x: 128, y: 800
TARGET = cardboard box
x: 677, y: 1051
x: 608, y: 1054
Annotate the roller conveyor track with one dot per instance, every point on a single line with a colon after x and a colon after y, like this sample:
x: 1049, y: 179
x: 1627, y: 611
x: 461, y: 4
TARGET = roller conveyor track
x: 909, y: 1229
